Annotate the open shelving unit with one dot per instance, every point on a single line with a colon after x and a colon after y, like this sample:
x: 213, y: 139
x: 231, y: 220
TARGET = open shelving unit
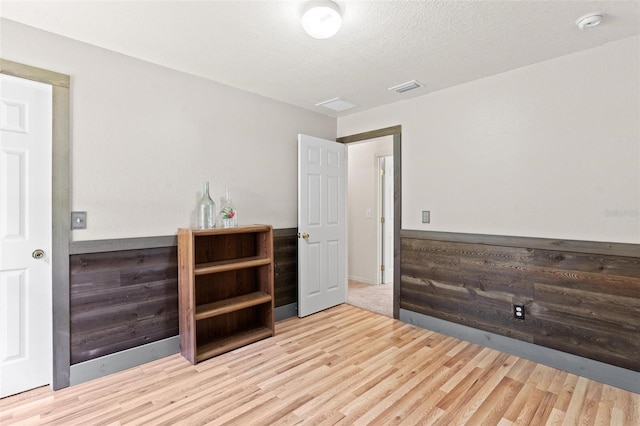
x: 225, y: 289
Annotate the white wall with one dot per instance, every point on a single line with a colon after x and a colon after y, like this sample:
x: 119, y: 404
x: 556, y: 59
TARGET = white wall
x: 144, y: 138
x: 362, y: 195
x: 550, y: 150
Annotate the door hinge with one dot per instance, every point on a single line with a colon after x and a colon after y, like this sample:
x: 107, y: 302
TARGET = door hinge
x: 382, y: 219
x: 382, y: 268
x: 381, y: 172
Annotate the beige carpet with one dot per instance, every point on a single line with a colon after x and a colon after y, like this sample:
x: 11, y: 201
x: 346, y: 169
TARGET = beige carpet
x: 374, y: 298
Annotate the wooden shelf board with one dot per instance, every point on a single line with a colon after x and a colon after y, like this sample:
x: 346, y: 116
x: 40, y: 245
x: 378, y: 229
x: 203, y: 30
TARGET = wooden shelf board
x: 232, y: 304
x: 232, y: 342
x: 231, y: 265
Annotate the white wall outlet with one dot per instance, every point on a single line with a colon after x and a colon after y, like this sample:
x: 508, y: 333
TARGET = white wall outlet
x: 426, y: 216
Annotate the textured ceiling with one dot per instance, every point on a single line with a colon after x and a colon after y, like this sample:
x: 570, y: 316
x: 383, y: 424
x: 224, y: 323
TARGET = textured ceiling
x: 259, y: 46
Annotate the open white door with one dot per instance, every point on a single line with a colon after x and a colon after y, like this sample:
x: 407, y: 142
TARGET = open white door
x: 322, y: 278
x: 25, y: 234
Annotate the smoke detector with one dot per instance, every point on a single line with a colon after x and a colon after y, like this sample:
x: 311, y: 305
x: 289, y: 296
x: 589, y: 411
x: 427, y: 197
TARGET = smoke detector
x: 589, y: 20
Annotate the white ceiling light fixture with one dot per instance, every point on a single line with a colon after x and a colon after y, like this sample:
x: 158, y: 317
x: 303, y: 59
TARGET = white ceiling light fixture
x: 321, y: 19
x: 589, y: 20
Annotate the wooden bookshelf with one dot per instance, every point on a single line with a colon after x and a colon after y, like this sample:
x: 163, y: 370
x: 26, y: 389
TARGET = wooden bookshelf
x: 225, y: 289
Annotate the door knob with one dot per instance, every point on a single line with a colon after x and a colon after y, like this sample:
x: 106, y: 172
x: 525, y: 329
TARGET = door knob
x: 37, y: 254
x: 304, y: 236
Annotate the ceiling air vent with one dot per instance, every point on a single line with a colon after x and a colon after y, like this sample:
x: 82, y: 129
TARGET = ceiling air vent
x: 405, y: 87
x: 337, y: 104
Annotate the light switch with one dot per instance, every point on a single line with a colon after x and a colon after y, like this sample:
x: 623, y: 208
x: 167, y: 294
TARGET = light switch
x: 78, y: 220
x: 426, y: 216
x: 368, y: 213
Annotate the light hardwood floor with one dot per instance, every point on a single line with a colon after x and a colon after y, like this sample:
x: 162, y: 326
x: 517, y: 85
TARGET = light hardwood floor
x: 341, y: 366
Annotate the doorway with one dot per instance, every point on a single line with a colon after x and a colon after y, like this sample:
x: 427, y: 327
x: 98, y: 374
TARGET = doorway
x: 395, y: 135
x: 370, y: 263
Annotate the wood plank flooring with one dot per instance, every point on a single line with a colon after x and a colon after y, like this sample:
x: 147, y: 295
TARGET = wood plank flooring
x: 342, y: 366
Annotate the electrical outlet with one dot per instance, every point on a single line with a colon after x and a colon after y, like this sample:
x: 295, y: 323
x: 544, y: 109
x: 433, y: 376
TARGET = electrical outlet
x: 518, y: 311
x: 426, y: 216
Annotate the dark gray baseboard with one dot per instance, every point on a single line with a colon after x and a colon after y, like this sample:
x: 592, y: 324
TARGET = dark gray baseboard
x: 119, y: 361
x: 594, y: 370
x: 286, y: 311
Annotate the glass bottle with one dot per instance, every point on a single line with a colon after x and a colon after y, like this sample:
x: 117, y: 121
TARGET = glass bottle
x: 228, y: 216
x: 206, y: 209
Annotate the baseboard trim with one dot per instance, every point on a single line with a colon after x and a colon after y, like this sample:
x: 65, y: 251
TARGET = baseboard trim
x: 112, y: 363
x: 594, y: 370
x: 361, y: 279
x: 286, y: 311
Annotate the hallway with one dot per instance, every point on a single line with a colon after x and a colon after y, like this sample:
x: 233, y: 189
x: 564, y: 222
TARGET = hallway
x: 374, y: 298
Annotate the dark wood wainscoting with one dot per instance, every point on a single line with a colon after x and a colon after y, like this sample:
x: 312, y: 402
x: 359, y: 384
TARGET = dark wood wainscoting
x: 124, y: 293
x: 582, y: 298
x: 122, y: 299
x: 285, y: 258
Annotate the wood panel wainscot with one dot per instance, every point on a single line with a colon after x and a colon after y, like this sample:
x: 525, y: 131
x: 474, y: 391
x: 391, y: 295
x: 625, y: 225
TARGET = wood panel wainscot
x: 582, y: 298
x: 122, y: 299
x: 285, y: 254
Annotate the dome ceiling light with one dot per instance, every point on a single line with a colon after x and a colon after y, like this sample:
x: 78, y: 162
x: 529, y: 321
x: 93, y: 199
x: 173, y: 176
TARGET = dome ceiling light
x: 321, y: 19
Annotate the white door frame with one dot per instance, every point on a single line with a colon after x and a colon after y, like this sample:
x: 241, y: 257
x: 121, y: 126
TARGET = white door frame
x: 396, y: 132
x: 61, y: 213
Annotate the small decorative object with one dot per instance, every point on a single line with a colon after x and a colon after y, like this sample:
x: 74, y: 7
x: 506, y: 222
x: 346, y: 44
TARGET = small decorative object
x: 206, y: 209
x: 228, y: 217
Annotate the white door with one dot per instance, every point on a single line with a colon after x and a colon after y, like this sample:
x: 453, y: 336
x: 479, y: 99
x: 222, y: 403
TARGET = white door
x: 25, y: 234
x: 387, y: 223
x: 322, y: 277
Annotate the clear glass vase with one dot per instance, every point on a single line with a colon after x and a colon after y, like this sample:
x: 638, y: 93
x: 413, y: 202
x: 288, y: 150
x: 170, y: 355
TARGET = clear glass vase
x: 206, y: 209
x: 228, y: 216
